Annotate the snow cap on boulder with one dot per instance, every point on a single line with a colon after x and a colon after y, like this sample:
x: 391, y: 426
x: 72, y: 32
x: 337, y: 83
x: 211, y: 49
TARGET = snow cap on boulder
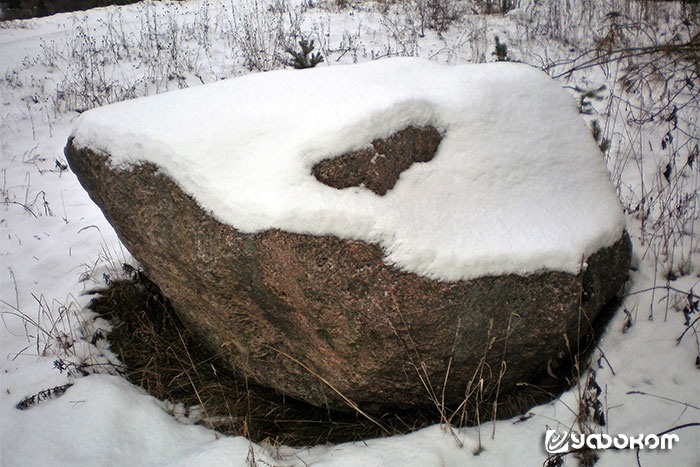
x: 517, y: 184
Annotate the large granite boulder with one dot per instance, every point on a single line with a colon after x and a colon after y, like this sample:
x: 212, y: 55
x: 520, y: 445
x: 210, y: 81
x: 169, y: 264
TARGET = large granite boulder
x: 292, y: 273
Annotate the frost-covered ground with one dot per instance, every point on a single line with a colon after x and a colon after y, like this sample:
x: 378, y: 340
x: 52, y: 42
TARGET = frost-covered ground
x: 55, y: 243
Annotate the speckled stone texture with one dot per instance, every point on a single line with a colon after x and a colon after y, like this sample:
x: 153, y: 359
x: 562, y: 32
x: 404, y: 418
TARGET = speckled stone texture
x: 302, y: 313
x: 379, y: 168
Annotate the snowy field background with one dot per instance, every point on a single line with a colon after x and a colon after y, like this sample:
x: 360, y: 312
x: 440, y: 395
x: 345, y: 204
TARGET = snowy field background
x: 55, y: 244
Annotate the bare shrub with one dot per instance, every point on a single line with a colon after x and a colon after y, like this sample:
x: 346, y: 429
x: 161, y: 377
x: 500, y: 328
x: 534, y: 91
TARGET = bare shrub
x: 266, y: 31
x: 651, y: 123
x: 87, y: 78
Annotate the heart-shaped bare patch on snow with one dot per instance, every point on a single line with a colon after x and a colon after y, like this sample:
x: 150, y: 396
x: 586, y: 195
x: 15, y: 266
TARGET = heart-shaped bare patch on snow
x: 378, y: 168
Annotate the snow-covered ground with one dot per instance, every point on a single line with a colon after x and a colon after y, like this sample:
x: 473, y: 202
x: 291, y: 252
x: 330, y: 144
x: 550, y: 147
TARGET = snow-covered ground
x: 55, y: 243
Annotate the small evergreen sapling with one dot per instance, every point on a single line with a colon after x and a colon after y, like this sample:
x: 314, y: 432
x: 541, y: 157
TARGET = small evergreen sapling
x: 501, y: 51
x: 304, y: 58
x: 585, y: 96
x: 603, y: 143
x: 585, y: 107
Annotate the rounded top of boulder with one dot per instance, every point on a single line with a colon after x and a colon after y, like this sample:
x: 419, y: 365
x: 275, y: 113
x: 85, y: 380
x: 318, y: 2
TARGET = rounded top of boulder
x: 517, y: 183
